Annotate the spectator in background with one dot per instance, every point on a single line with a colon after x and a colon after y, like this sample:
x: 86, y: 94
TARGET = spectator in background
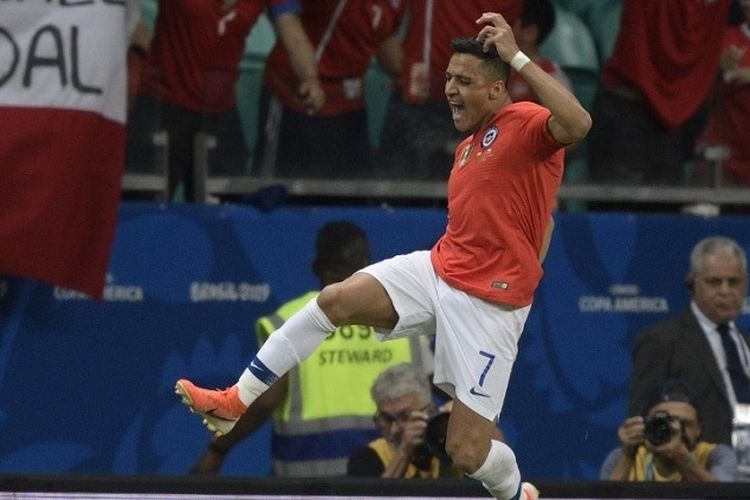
x: 402, y: 396
x: 665, y: 444
x: 417, y: 141
x: 321, y: 410
x: 140, y: 40
x: 729, y: 119
x: 536, y: 22
x: 658, y: 77
x: 332, y: 141
x: 702, y: 346
x: 190, y: 74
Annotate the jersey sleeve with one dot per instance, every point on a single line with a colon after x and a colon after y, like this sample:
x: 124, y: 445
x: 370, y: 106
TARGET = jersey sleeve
x: 609, y: 464
x: 536, y: 128
x: 722, y: 463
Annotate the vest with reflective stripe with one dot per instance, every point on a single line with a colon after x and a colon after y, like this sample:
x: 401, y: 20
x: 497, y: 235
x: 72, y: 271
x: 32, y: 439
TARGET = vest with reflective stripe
x: 327, y: 411
x: 387, y: 454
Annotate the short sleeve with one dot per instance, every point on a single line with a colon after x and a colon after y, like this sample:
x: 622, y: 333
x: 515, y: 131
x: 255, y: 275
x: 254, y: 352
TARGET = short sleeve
x: 722, y: 463
x: 609, y: 464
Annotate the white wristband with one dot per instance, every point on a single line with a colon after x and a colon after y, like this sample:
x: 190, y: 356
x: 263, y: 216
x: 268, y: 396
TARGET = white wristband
x: 519, y: 60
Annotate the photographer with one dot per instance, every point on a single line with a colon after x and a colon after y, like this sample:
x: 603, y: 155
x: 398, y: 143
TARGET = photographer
x: 665, y: 445
x: 412, y: 428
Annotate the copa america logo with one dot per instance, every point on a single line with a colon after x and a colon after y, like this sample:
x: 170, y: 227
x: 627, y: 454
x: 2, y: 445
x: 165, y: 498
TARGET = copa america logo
x: 489, y: 137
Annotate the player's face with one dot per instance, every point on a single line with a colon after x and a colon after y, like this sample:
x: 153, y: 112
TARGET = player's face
x: 720, y: 288
x: 470, y: 91
x: 745, y: 6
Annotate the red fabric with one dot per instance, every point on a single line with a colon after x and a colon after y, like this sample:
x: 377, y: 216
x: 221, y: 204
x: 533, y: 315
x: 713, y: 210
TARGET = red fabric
x: 433, y: 24
x: 59, y: 195
x: 345, y: 56
x: 669, y: 50
x: 729, y: 122
x: 519, y: 90
x: 500, y: 198
x: 196, y: 50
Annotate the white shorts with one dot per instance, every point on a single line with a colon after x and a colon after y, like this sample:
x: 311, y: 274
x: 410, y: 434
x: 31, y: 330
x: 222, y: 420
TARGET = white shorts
x: 476, y: 341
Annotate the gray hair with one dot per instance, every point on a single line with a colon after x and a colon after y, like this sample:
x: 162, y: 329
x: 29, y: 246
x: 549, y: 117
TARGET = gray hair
x: 398, y: 381
x: 715, y: 245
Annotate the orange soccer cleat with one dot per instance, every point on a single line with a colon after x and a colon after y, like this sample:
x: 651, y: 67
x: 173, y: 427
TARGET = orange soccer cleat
x: 220, y: 409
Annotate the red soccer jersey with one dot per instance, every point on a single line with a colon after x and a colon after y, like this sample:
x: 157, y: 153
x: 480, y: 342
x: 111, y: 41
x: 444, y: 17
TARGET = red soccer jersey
x: 194, y: 57
x: 433, y: 24
x: 669, y: 50
x: 346, y: 35
x: 501, y: 192
x: 730, y: 118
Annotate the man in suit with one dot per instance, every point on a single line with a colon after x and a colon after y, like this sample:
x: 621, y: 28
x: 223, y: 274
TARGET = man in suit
x: 702, y: 346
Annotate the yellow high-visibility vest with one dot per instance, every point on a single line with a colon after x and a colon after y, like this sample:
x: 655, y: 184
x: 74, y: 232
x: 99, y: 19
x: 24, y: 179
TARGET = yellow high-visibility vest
x: 328, y: 411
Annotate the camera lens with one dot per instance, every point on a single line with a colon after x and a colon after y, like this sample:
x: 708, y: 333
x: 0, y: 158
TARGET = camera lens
x: 658, y: 428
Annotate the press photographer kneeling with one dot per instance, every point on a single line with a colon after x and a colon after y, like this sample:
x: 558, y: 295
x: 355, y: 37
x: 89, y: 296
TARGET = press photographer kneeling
x: 413, y: 430
x: 665, y: 445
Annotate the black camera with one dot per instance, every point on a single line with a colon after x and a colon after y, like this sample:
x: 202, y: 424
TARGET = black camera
x: 658, y: 428
x: 434, y: 441
x: 435, y: 434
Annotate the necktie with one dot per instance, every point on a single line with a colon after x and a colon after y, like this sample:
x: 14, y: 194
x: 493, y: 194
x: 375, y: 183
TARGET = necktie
x: 737, y: 374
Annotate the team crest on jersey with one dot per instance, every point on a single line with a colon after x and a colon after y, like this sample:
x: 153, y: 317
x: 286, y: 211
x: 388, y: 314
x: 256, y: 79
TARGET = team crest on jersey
x: 489, y: 137
x: 465, y: 155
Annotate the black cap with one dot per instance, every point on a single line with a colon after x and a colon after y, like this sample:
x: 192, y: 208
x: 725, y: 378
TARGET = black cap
x: 670, y: 390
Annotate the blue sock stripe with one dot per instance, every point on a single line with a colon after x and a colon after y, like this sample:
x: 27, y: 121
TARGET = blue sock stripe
x: 261, y: 372
x: 517, y: 496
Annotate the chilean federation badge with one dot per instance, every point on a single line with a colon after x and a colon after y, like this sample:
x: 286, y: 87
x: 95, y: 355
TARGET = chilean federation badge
x: 489, y: 137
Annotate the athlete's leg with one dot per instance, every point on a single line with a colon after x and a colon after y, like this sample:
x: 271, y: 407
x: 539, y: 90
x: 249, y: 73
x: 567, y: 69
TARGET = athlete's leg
x: 475, y: 348
x: 473, y: 450
x: 360, y: 299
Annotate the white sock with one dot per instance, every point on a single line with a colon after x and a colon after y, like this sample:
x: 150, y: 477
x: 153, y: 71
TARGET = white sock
x: 499, y: 473
x: 288, y: 346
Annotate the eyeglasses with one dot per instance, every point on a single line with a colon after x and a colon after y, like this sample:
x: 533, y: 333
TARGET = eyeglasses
x: 385, y: 419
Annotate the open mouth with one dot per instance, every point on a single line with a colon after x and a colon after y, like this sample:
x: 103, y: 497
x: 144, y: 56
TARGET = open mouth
x: 457, y: 111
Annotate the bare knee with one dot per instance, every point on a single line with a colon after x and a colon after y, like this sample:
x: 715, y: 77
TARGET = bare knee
x: 332, y: 303
x: 358, y: 300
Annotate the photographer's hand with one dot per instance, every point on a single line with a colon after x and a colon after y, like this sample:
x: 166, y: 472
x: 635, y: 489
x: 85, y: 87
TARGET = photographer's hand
x: 674, y: 455
x: 631, y: 436
x: 410, y: 437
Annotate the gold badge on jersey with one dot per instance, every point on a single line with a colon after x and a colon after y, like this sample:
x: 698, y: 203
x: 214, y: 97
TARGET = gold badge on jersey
x: 465, y: 155
x: 500, y: 284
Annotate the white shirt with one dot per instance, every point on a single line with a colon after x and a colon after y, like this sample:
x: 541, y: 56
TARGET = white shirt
x: 714, y: 340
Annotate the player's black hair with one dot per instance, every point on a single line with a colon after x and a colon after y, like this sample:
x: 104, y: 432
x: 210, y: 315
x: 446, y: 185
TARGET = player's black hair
x: 492, y: 61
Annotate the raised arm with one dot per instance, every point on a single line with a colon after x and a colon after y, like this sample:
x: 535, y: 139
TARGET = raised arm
x: 570, y: 122
x: 390, y: 56
x: 302, y: 55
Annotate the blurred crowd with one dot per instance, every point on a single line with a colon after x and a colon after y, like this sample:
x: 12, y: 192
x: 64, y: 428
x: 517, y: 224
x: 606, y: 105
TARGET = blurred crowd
x: 353, y: 89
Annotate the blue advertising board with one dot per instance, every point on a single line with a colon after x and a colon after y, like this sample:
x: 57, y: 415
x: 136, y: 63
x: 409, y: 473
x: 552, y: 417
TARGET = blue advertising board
x: 87, y: 386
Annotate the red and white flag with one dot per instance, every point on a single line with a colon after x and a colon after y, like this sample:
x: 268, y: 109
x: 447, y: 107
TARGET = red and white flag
x: 62, y: 135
